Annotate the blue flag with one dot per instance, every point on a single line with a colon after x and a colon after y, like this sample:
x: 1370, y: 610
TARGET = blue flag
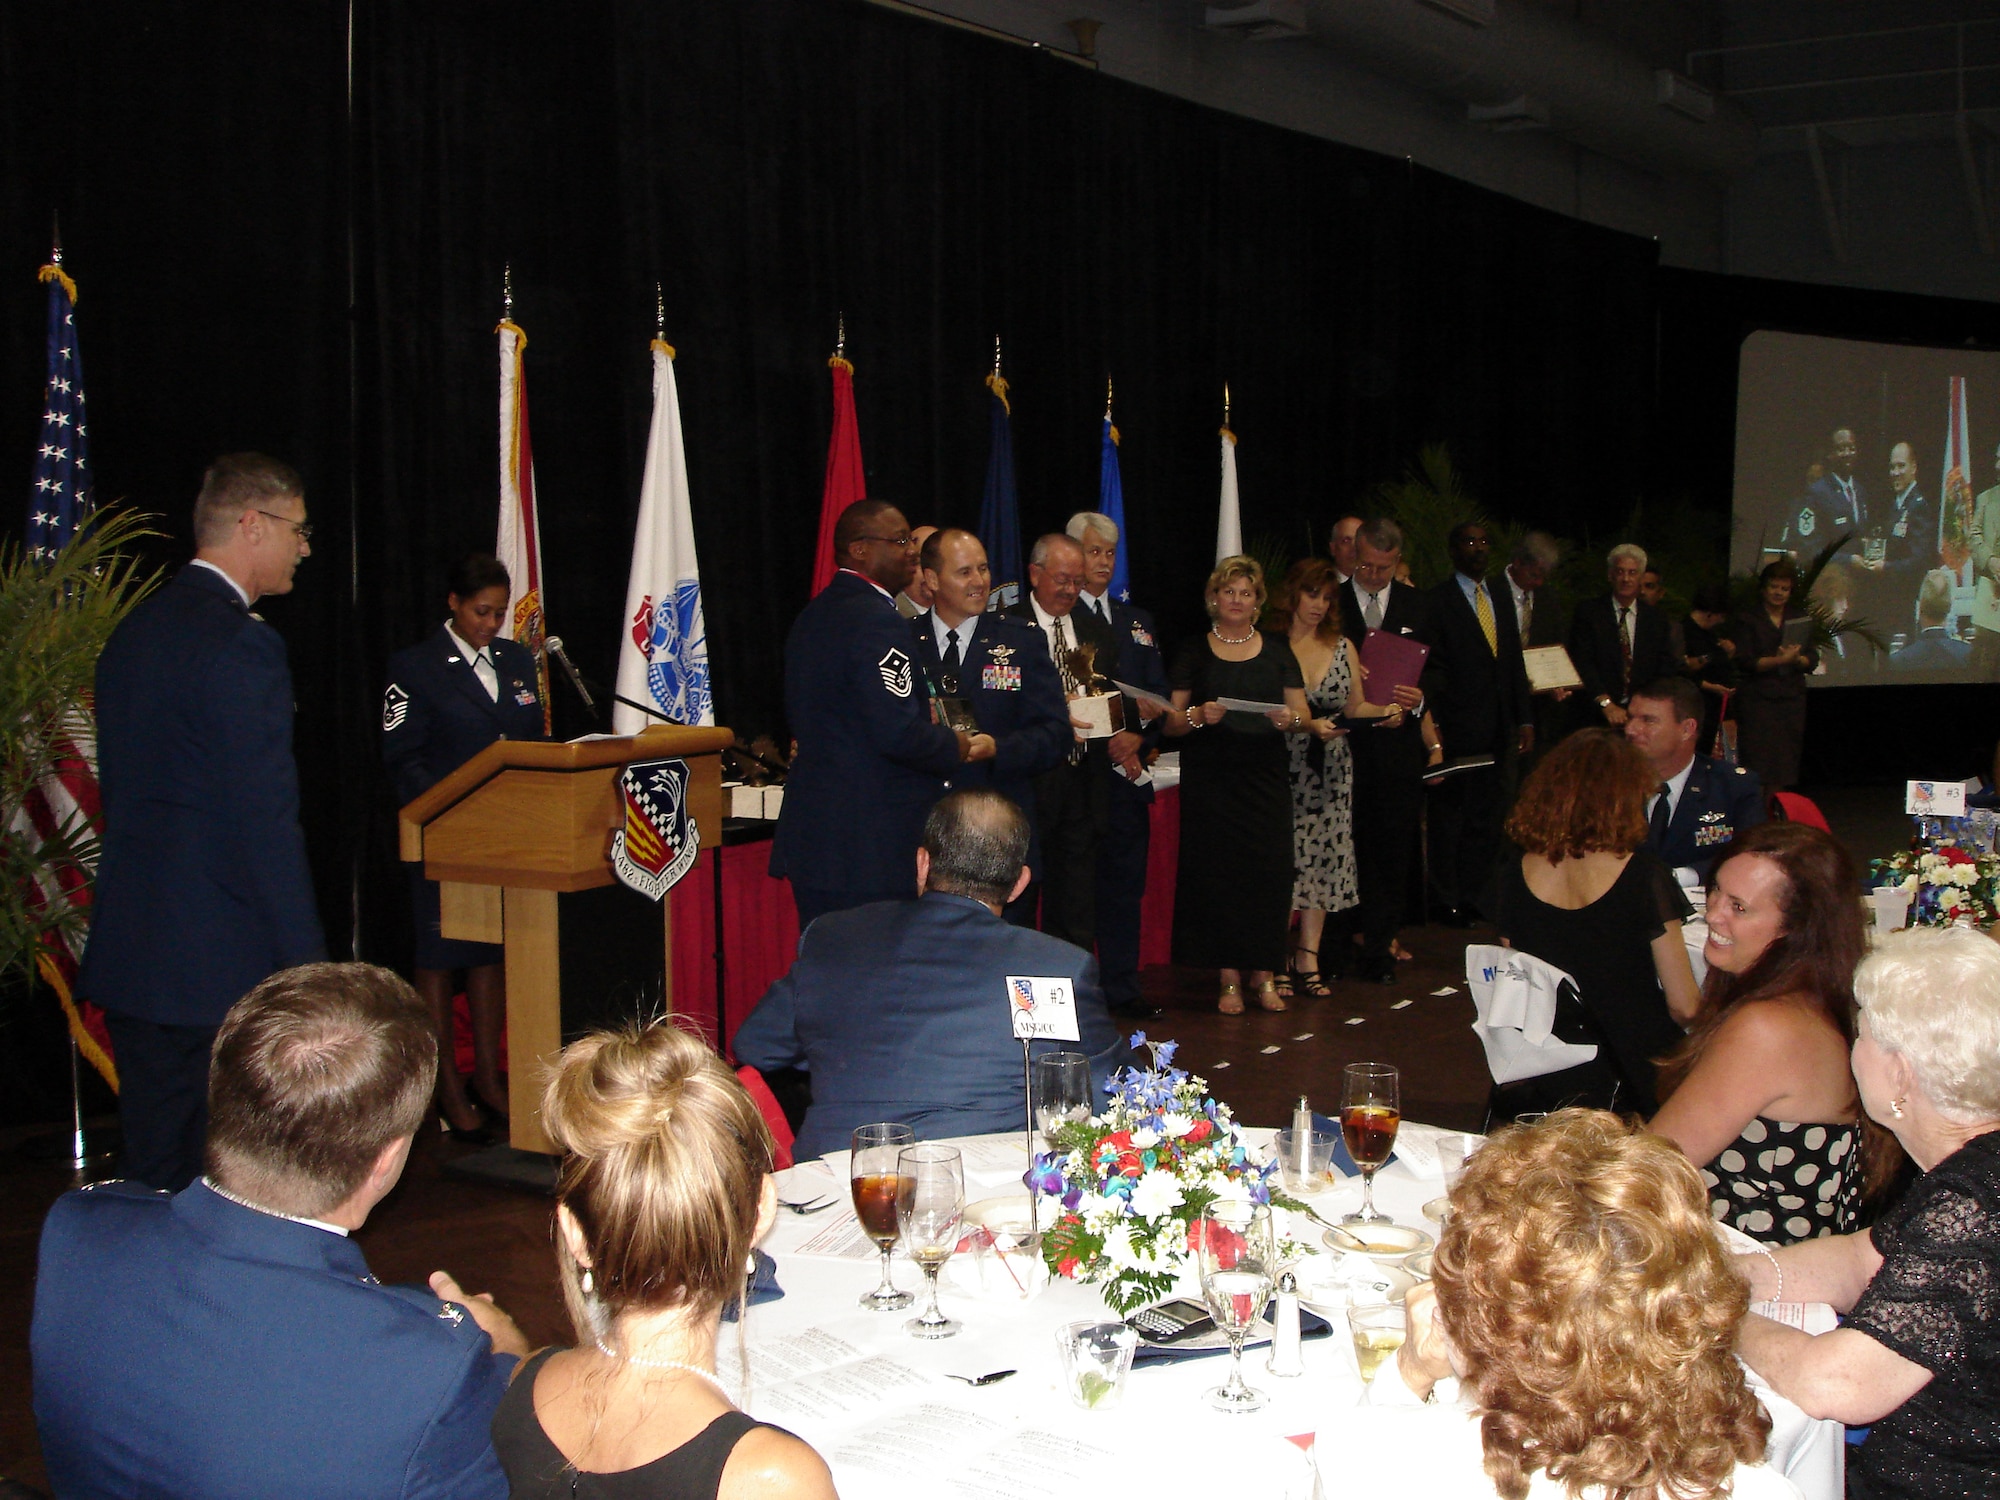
x: 1111, y: 502
x: 60, y: 499
x: 1000, y: 508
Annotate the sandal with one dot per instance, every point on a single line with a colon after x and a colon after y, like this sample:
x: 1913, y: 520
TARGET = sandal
x: 1401, y: 954
x: 1312, y: 984
x: 1268, y: 997
x: 1231, y: 1003
x: 1282, y: 979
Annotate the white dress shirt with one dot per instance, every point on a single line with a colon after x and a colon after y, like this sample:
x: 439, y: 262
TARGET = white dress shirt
x: 1676, y: 784
x: 482, y: 663
x: 202, y: 562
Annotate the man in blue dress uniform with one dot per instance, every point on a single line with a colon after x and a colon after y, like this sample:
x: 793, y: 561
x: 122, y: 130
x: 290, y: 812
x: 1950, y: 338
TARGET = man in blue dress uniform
x: 996, y: 666
x: 1834, y: 504
x: 202, y: 886
x: 228, y: 1341
x: 1699, y: 804
x: 1128, y: 837
x: 870, y: 761
x: 899, y: 1009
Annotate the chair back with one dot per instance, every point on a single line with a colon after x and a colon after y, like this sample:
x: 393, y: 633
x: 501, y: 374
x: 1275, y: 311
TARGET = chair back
x: 767, y: 1106
x: 1790, y: 807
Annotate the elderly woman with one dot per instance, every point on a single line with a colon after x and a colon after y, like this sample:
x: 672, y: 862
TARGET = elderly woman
x: 1760, y: 1092
x: 1771, y: 703
x: 1306, y: 611
x: 1233, y: 894
x: 1585, y: 897
x: 1584, y: 1310
x: 664, y: 1187
x: 1918, y: 1353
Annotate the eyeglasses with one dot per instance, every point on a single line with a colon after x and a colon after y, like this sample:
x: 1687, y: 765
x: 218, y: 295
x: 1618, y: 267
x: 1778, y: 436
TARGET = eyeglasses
x: 902, y: 540
x: 303, y: 528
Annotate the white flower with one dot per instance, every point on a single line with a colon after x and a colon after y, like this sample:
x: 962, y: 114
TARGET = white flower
x: 1158, y: 1192
x: 1229, y: 1189
x: 1118, y: 1248
x: 1911, y: 885
x: 1966, y: 875
x: 1145, y: 1140
x: 1176, y: 1125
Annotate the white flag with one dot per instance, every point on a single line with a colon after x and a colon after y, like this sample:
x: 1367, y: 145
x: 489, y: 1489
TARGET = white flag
x: 519, y: 545
x: 1229, y: 524
x: 663, y: 657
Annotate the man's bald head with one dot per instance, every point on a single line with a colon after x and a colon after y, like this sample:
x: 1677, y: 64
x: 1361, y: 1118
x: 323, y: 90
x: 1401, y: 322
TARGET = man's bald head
x: 976, y: 842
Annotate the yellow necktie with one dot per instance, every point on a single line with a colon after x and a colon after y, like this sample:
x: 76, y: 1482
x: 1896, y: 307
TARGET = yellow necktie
x: 1483, y: 607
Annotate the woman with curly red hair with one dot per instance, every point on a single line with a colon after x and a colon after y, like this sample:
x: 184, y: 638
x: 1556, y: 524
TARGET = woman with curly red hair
x: 1586, y: 1313
x: 1584, y: 896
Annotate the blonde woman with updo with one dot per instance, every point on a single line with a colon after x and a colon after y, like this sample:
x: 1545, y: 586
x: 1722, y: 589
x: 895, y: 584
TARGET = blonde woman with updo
x: 664, y: 1188
x: 1576, y: 1341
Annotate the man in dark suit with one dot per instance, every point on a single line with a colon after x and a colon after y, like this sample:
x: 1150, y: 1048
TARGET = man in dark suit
x: 1934, y: 653
x: 996, y: 666
x: 1388, y: 757
x: 870, y: 761
x: 1123, y: 852
x: 202, y: 887
x: 1617, y: 642
x: 1834, y: 503
x: 1072, y: 801
x: 1903, y: 536
x: 1538, y: 621
x: 1699, y: 804
x: 1479, y: 692
x: 228, y: 1340
x: 900, y: 1010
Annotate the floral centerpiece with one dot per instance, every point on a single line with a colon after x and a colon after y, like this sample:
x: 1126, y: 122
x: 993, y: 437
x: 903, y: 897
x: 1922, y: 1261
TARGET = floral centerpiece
x: 1946, y: 883
x: 1133, y: 1179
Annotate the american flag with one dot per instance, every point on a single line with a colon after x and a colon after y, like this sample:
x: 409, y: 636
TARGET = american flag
x: 59, y: 502
x: 61, y: 498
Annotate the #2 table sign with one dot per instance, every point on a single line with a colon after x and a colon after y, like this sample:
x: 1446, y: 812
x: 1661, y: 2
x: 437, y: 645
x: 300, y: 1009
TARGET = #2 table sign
x: 1042, y: 1009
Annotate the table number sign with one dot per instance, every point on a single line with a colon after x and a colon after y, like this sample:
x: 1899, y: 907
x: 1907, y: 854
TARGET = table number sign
x: 1042, y: 1009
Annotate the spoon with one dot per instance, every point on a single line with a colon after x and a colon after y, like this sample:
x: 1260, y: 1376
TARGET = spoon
x: 980, y: 1379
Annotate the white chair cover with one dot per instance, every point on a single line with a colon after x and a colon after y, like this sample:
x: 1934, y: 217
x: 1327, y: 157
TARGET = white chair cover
x: 1515, y: 994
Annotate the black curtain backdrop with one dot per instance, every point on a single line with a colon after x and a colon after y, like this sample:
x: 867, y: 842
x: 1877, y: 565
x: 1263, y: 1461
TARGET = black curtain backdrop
x: 289, y: 226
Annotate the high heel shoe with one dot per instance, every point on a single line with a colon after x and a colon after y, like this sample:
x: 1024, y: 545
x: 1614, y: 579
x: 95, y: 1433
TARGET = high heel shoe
x: 1231, y: 1001
x: 481, y: 1134
x: 1268, y: 997
x: 1312, y: 984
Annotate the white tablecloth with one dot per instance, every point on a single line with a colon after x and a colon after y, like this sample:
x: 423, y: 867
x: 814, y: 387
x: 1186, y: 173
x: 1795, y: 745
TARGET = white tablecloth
x: 1037, y: 1443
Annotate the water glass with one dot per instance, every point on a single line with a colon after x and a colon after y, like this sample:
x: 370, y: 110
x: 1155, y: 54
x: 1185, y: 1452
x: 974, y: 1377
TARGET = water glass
x: 1305, y: 1159
x: 1059, y: 1090
x: 1237, y: 1258
x: 1096, y: 1358
x: 1378, y: 1329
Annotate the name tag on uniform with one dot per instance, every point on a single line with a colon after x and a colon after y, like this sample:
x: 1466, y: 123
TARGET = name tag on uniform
x: 1044, y: 1009
x: 998, y: 678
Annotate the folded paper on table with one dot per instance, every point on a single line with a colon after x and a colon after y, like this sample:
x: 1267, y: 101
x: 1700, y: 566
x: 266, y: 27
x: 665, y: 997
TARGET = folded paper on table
x: 1391, y: 661
x: 1549, y: 668
x: 1515, y: 996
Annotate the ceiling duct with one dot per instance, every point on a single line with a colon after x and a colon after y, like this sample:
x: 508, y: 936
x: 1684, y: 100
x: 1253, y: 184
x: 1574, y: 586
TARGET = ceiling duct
x: 1597, y: 92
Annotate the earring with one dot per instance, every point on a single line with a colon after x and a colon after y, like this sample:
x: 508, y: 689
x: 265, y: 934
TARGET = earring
x: 589, y: 1286
x: 1896, y: 1108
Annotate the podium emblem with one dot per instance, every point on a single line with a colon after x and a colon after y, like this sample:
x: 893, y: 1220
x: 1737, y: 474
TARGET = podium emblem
x: 659, y: 840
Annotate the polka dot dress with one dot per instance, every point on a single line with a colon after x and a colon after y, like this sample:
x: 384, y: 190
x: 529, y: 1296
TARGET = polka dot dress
x: 1782, y: 1183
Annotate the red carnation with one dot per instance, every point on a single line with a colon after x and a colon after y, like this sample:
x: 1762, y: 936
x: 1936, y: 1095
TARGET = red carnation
x: 1198, y: 1132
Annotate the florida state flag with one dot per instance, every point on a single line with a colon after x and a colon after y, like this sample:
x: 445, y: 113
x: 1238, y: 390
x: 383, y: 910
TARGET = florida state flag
x: 519, y: 547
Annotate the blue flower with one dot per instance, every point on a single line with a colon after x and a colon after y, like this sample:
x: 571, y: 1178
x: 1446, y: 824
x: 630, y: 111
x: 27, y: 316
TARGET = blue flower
x: 1137, y: 1040
x: 1071, y: 1199
x: 1163, y: 1055
x: 1045, y: 1176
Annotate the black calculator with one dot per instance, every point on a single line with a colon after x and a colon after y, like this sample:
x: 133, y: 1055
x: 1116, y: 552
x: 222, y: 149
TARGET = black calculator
x: 1172, y: 1322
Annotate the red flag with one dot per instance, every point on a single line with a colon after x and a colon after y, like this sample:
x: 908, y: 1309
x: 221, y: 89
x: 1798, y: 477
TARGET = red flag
x: 844, y: 481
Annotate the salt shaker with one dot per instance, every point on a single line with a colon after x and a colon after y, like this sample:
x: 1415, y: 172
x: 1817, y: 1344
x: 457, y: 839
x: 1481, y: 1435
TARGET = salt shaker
x: 1286, y: 1359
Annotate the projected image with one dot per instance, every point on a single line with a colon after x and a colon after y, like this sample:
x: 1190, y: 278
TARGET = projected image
x: 1889, y: 456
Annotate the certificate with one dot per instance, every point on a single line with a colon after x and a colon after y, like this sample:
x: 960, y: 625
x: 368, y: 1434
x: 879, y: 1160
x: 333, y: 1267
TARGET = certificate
x: 1391, y: 661
x: 1549, y: 668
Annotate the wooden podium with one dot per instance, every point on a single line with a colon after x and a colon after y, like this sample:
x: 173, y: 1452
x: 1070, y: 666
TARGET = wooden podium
x: 520, y: 823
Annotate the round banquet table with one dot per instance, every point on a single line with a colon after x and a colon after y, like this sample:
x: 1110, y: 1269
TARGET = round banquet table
x: 876, y: 1404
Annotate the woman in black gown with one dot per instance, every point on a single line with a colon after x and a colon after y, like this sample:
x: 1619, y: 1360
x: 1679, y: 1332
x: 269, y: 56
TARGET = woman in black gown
x: 1584, y: 896
x: 1233, y: 894
x: 1771, y: 704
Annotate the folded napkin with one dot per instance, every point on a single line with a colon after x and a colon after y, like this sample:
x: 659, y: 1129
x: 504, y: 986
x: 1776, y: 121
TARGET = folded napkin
x: 1515, y: 995
x: 763, y: 1285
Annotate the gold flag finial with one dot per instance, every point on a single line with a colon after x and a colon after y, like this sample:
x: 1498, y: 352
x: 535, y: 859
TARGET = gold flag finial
x: 507, y: 292
x: 1107, y: 398
x: 996, y: 355
x: 1225, y: 403
x: 659, y: 313
x: 840, y: 336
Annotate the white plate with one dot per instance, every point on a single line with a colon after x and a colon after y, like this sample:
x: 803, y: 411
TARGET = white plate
x: 1384, y: 1243
x: 1379, y: 1283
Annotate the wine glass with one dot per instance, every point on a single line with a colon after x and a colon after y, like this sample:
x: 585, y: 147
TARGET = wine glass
x: 1370, y: 1110
x: 873, y: 1177
x: 1061, y: 1092
x: 1234, y: 1248
x: 930, y: 1200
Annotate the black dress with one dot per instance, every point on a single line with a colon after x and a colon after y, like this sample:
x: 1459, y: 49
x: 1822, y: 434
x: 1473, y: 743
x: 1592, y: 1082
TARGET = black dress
x: 1718, y: 665
x: 1606, y: 947
x: 1233, y: 893
x: 1770, y: 705
x: 1934, y: 1302
x: 537, y: 1470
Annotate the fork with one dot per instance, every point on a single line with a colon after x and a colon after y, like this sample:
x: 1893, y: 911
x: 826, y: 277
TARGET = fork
x: 811, y: 1206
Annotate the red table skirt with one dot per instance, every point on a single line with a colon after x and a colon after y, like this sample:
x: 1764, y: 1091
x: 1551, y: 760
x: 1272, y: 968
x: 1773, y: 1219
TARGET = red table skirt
x: 762, y: 927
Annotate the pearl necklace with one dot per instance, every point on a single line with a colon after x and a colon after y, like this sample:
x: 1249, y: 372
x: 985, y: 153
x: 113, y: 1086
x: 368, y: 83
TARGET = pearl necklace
x: 666, y: 1364
x: 1233, y: 640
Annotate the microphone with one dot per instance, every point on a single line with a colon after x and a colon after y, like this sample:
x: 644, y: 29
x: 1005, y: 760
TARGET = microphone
x: 555, y: 645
